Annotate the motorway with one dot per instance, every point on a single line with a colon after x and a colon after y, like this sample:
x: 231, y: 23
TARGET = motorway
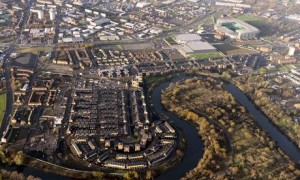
x: 9, y: 91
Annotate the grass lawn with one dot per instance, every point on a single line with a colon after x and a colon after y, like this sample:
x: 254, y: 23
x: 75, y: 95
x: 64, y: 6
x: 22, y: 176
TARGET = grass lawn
x: 282, y: 122
x: 151, y: 79
x: 248, y: 18
x: 34, y: 50
x: 262, y: 70
x: 297, y: 65
x: 2, y: 106
x: 283, y: 68
x: 205, y: 55
x: 228, y: 49
x: 262, y: 24
x: 170, y: 40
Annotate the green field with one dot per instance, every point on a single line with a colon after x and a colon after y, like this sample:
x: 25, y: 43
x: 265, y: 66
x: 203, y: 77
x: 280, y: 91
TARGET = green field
x: 248, y: 18
x: 205, y: 55
x: 170, y: 40
x: 34, y: 50
x: 266, y: 27
x: 228, y: 49
x: 281, y: 68
x: 2, y: 106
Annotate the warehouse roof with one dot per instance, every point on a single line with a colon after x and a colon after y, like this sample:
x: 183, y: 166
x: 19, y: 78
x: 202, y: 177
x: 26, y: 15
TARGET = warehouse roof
x: 199, y: 45
x: 183, y: 38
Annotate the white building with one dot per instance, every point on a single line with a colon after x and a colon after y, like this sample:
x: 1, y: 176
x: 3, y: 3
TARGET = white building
x: 192, y: 44
x: 142, y: 4
x: 291, y: 51
x: 52, y: 14
x: 184, y: 38
x: 40, y: 13
x: 196, y: 47
x: 100, y: 22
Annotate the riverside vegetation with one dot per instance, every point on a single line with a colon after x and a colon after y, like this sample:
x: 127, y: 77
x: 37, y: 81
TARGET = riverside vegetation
x: 234, y: 146
x: 258, y: 88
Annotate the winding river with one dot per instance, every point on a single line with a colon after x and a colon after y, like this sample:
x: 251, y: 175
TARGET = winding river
x: 281, y: 139
x: 194, y: 145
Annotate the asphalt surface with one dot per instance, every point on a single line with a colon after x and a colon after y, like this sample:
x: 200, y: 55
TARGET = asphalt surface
x: 9, y: 92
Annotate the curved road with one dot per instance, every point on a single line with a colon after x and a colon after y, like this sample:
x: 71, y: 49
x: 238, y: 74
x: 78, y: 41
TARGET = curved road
x: 9, y: 92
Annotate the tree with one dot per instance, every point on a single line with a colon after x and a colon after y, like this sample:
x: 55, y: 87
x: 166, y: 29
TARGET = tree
x: 131, y: 175
x: 150, y: 175
x: 30, y: 177
x: 98, y: 175
x: 234, y: 170
x: 19, y: 158
x: 16, y: 176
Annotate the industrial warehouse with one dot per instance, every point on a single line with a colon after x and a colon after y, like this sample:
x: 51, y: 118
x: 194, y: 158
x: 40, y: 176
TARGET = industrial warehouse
x: 190, y: 44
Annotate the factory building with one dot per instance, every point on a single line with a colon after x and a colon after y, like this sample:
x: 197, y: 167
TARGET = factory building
x: 184, y: 38
x: 192, y: 44
x: 196, y: 47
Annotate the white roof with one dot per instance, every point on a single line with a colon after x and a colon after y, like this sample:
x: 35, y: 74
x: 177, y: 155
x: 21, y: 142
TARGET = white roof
x: 199, y: 45
x: 142, y: 4
x: 188, y: 37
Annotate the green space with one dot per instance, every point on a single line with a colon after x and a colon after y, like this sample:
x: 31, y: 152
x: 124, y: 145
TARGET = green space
x: 233, y: 26
x: 262, y: 24
x: 263, y: 70
x: 248, y: 18
x: 297, y: 65
x: 228, y: 49
x: 170, y: 40
x: 232, y: 141
x: 152, y: 80
x: 2, y: 106
x: 14, y: 135
x: 7, y: 39
x: 205, y: 55
x: 282, y: 122
x: 258, y: 88
x: 281, y: 68
x: 34, y: 50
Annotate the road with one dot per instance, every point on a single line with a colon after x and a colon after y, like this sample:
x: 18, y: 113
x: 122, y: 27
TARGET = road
x: 9, y: 91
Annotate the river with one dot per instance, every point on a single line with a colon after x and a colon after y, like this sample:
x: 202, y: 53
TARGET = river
x: 281, y: 139
x: 194, y: 144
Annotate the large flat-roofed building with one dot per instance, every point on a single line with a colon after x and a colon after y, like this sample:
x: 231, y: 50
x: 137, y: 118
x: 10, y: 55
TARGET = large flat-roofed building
x: 184, y: 38
x: 196, y: 47
x: 192, y: 44
x: 236, y: 29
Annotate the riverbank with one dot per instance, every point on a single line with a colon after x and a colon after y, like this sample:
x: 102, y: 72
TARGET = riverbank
x: 191, y: 157
x: 43, y: 169
x: 2, y: 106
x: 241, y: 87
x: 261, y: 96
x: 246, y: 137
x: 277, y: 134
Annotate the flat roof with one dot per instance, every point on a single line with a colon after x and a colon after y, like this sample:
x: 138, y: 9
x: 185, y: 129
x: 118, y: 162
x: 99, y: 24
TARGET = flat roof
x: 200, y: 45
x: 188, y: 37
